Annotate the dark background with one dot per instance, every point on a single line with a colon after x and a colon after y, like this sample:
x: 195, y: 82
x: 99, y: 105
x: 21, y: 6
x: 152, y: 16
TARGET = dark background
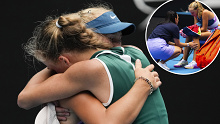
x: 190, y: 99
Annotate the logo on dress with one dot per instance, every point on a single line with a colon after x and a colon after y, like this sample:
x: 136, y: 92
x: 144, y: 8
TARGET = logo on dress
x: 113, y: 17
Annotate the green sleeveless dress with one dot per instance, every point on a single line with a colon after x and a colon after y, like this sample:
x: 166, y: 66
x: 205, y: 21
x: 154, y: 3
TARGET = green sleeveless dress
x: 119, y: 63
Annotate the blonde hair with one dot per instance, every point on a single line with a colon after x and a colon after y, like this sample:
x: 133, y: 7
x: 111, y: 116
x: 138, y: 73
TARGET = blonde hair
x: 50, y: 40
x: 93, y: 12
x: 197, y: 6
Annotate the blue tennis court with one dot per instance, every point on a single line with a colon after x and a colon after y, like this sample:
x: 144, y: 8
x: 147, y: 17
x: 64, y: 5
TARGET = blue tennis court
x: 182, y: 70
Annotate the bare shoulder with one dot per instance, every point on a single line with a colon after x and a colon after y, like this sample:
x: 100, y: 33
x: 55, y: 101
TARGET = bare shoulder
x: 207, y: 13
x: 86, y: 66
x: 85, y: 71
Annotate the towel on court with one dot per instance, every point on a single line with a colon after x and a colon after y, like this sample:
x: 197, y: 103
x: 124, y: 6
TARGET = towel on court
x: 47, y: 115
x: 193, y: 30
x: 207, y: 53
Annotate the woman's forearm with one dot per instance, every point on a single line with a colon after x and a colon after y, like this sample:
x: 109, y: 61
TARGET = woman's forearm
x: 125, y: 110
x: 171, y: 43
x: 178, y: 43
x: 183, y: 44
x: 34, y: 81
x: 40, y: 77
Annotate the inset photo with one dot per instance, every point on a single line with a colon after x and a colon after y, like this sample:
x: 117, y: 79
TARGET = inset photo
x: 183, y: 37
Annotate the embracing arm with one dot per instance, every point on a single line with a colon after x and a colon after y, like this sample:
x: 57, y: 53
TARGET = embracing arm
x: 91, y: 111
x: 43, y: 87
x: 172, y: 43
x: 36, y: 80
x: 178, y: 43
x: 191, y: 44
x: 125, y: 110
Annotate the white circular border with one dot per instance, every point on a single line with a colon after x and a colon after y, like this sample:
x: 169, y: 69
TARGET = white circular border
x: 149, y: 51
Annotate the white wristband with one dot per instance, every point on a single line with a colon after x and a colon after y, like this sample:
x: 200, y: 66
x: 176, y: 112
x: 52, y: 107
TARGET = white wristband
x: 187, y: 44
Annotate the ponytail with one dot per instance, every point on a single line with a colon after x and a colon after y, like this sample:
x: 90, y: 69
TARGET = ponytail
x: 66, y: 33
